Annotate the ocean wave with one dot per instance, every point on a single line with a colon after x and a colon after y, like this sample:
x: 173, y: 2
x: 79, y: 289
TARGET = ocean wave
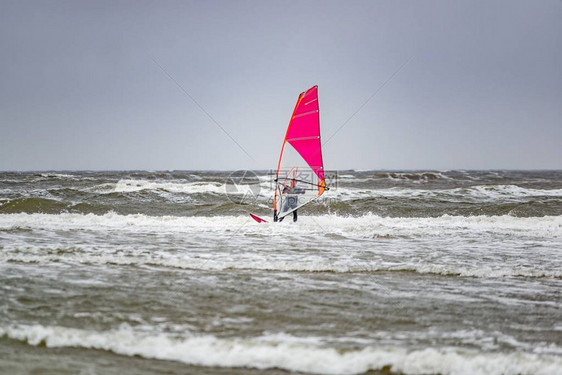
x: 31, y: 205
x: 127, y: 186
x: 278, y: 265
x: 478, y: 192
x: 413, y: 176
x: 502, y: 191
x: 183, y: 187
x: 367, y: 225
x: 469, y: 236
x: 59, y: 176
x: 286, y: 352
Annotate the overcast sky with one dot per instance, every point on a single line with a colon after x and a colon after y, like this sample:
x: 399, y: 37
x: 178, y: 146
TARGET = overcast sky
x: 81, y: 87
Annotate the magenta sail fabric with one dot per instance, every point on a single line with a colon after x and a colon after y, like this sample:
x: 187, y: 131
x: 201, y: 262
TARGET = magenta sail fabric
x: 300, y: 172
x: 304, y: 131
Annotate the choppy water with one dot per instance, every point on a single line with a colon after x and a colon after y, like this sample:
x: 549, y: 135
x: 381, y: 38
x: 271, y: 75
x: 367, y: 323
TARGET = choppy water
x: 455, y: 272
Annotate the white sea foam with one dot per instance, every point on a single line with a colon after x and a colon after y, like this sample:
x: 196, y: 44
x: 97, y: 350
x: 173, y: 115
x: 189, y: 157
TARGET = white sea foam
x: 414, y: 177
x: 119, y: 239
x: 265, y: 189
x: 286, y: 352
x: 479, y: 192
x: 367, y: 225
x: 126, y: 186
x: 280, y: 265
x: 175, y: 187
x: 59, y: 175
x: 502, y: 191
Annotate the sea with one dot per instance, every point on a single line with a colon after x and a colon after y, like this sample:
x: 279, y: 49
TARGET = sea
x: 389, y: 272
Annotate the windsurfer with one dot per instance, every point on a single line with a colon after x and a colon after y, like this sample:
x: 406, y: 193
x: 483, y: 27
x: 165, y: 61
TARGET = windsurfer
x: 301, y: 157
x: 292, y: 199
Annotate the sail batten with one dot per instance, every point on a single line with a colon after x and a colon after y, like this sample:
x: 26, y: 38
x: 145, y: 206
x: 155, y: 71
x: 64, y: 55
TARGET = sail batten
x: 302, y: 138
x: 306, y: 113
x: 300, y: 163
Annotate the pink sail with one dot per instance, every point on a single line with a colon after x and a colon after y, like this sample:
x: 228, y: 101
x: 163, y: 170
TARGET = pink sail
x: 304, y: 131
x: 300, y: 172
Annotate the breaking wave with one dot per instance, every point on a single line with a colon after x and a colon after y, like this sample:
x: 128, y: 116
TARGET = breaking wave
x: 367, y: 225
x: 59, y: 175
x: 413, y: 176
x: 478, y: 192
x: 326, y: 233
x: 126, y: 186
x: 286, y: 352
x: 273, y: 265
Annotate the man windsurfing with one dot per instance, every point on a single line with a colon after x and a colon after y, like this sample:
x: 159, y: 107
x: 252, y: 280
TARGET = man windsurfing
x: 291, y: 201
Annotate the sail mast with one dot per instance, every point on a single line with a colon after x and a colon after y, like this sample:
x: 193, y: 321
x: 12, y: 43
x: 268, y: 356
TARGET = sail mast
x: 281, y: 156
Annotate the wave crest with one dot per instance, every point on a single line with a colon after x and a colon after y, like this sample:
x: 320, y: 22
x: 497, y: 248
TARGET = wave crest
x: 286, y: 352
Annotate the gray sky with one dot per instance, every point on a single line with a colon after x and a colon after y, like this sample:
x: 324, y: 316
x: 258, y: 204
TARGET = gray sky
x: 79, y: 88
